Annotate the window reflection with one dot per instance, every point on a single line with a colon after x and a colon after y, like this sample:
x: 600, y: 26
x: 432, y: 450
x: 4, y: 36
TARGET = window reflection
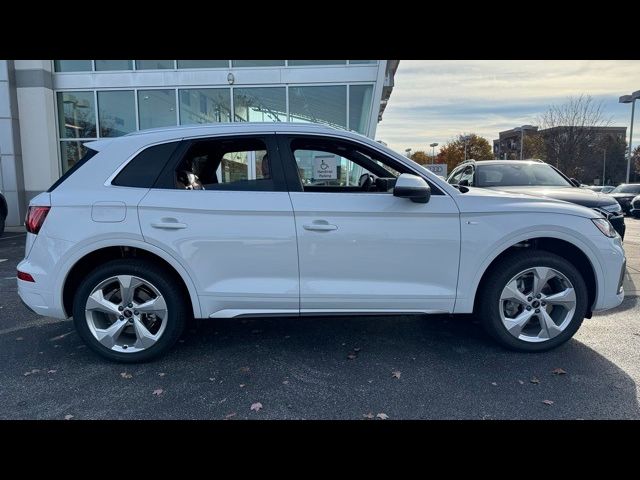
x: 116, y: 113
x: 76, y: 115
x: 319, y: 104
x: 205, y: 105
x: 157, y: 108
x: 266, y: 104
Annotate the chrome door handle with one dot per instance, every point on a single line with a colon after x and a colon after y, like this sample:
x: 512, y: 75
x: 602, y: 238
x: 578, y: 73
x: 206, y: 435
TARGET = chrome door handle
x: 169, y: 225
x: 320, y: 226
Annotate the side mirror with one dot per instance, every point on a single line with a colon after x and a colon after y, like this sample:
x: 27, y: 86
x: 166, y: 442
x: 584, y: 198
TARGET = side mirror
x: 576, y: 183
x: 412, y: 187
x: 464, y: 183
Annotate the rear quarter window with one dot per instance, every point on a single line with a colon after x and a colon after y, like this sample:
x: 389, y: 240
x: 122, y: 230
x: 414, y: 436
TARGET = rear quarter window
x: 143, y: 170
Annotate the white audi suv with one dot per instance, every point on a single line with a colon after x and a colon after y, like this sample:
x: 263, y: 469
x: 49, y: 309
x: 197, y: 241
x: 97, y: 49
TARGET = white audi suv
x: 156, y: 227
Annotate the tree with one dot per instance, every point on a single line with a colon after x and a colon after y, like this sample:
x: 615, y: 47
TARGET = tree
x: 534, y: 146
x: 452, y: 153
x: 420, y: 157
x: 570, y: 133
x: 636, y: 160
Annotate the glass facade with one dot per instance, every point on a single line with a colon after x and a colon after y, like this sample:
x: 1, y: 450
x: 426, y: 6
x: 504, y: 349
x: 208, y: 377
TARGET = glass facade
x: 205, y: 105
x: 154, y: 64
x: 262, y: 104
x: 116, y: 113
x: 319, y: 104
x: 110, y: 65
x: 87, y: 114
x: 156, y: 108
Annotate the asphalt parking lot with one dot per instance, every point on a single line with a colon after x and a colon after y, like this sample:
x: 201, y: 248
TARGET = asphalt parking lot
x: 437, y: 367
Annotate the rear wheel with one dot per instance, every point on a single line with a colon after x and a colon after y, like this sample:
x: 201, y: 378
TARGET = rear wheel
x: 129, y: 310
x: 2, y: 220
x: 533, y: 301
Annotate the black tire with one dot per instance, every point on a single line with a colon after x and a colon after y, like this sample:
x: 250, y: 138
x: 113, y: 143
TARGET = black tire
x: 502, y: 273
x: 2, y: 220
x: 177, y: 305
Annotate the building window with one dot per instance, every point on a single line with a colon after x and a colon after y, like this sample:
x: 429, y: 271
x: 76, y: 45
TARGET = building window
x: 203, y: 63
x: 319, y: 104
x: 360, y: 97
x: 72, y: 65
x: 153, y: 64
x: 108, y: 65
x: 116, y: 113
x: 257, y: 63
x: 157, y: 108
x: 205, y: 105
x: 363, y: 62
x: 76, y: 115
x: 262, y: 104
x: 300, y: 63
x: 70, y: 152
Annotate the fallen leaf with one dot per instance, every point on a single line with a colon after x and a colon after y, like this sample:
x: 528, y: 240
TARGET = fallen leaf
x: 158, y: 391
x: 558, y: 371
x: 494, y: 384
x: 256, y: 406
x: 352, y: 356
x: 357, y: 349
x: 26, y: 374
x: 244, y: 369
x: 126, y: 375
x: 395, y: 374
x: 520, y: 382
x: 51, y: 371
x: 382, y: 416
x: 368, y: 415
x: 370, y: 381
x: 161, y: 374
x: 68, y: 417
x: 343, y: 344
x: 548, y: 402
x: 242, y: 385
x: 35, y: 370
x: 230, y: 415
x: 19, y: 338
x: 535, y: 380
x: 211, y: 379
x: 285, y: 382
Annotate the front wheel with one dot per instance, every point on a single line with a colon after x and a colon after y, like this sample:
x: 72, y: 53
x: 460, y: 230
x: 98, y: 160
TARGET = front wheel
x: 533, y: 301
x: 129, y: 310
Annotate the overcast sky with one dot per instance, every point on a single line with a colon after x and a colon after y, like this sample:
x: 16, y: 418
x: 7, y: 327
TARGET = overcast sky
x: 434, y: 101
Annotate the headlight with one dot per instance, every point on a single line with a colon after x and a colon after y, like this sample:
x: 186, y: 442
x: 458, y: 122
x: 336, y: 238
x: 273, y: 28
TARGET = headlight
x: 605, y: 227
x: 613, y: 208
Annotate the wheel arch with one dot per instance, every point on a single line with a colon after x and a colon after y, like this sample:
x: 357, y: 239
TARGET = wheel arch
x: 579, y: 256
x: 90, y: 258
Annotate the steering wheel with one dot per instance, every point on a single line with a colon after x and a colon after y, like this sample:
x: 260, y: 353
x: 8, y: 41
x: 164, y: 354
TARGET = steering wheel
x: 365, y: 181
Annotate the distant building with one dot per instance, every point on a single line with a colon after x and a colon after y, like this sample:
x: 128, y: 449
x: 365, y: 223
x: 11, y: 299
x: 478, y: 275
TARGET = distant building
x: 507, y: 146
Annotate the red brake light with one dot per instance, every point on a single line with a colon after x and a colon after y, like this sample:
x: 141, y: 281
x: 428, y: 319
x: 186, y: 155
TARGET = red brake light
x: 25, y: 277
x: 35, y: 218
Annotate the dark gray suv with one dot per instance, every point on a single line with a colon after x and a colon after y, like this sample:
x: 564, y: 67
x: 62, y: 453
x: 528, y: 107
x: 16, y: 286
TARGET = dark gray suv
x: 535, y: 177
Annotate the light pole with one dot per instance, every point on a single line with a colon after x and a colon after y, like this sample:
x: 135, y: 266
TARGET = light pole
x: 632, y: 100
x: 433, y: 151
x: 465, y: 139
x: 522, y: 128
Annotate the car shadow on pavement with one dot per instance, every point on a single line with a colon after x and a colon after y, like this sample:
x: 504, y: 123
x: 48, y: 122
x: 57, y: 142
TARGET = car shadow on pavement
x: 408, y: 367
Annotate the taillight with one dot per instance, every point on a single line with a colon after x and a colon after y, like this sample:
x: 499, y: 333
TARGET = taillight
x: 35, y: 218
x: 25, y: 277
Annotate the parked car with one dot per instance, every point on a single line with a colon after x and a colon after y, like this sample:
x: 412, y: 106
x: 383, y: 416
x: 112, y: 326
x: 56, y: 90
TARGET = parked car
x: 635, y: 206
x: 601, y: 188
x: 624, y: 193
x: 153, y: 228
x: 3, y: 212
x: 534, y: 177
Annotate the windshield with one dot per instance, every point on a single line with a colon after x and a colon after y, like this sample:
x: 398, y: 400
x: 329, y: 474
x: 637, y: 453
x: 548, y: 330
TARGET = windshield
x: 635, y: 188
x: 510, y: 174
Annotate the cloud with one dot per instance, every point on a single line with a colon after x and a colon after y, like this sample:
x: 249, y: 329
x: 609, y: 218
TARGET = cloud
x: 437, y: 100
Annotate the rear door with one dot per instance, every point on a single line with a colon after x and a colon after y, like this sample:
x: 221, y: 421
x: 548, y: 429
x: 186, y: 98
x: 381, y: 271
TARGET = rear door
x: 222, y: 209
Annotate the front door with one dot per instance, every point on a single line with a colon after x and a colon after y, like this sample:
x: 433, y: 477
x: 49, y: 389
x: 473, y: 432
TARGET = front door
x: 360, y: 248
x: 223, y: 211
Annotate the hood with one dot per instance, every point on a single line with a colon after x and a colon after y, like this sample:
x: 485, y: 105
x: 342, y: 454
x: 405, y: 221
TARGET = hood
x: 487, y: 200
x: 580, y: 196
x: 623, y: 195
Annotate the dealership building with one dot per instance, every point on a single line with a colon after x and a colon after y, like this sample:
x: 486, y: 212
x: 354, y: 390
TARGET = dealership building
x: 49, y: 108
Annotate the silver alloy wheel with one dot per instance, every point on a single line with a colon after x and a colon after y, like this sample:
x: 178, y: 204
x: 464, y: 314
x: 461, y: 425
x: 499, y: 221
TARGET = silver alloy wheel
x: 126, y: 313
x: 537, y: 304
